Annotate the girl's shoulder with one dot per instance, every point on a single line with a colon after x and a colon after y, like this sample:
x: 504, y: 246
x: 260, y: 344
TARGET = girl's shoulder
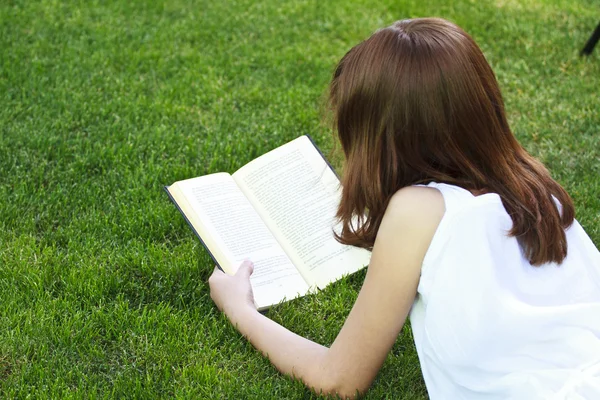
x: 415, y: 199
x: 458, y: 199
x: 418, y: 207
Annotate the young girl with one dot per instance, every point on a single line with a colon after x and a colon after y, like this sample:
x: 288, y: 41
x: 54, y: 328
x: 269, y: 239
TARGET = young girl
x: 468, y: 232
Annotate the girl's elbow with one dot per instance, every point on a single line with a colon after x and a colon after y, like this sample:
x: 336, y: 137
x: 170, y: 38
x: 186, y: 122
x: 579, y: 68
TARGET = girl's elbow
x: 342, y: 393
x: 349, y: 390
x: 328, y: 378
x: 341, y: 387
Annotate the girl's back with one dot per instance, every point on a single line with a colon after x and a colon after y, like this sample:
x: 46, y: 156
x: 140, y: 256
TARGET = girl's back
x: 489, y: 325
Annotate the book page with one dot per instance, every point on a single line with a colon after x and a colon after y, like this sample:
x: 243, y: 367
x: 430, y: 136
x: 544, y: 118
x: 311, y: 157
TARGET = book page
x: 233, y: 231
x: 297, y: 194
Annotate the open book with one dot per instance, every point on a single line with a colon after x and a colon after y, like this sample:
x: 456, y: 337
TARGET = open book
x: 278, y: 211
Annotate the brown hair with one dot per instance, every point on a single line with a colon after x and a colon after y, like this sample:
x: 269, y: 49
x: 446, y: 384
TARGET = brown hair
x: 417, y: 102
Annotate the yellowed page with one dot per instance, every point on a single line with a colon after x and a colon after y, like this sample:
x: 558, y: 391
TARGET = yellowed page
x: 233, y: 231
x: 296, y: 194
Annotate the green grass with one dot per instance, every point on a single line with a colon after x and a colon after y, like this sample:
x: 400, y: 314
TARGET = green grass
x: 102, y: 285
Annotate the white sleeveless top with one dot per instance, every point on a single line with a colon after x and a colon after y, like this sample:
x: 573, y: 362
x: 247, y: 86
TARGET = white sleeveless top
x: 488, y: 325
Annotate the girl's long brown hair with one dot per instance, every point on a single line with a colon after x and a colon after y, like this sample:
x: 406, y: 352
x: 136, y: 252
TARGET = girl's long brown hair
x: 417, y: 102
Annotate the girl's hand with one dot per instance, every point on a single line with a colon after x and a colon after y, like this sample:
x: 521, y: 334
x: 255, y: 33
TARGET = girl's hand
x: 233, y: 294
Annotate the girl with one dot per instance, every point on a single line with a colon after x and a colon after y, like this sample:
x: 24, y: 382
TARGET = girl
x: 468, y: 232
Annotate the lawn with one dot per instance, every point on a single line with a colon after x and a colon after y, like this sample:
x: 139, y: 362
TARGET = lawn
x: 102, y: 285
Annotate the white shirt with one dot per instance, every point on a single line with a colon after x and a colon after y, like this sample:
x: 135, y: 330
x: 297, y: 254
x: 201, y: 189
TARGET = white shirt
x: 488, y: 325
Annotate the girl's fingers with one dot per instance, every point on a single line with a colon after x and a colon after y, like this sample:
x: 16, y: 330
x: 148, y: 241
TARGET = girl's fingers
x: 216, y: 273
x: 245, y: 269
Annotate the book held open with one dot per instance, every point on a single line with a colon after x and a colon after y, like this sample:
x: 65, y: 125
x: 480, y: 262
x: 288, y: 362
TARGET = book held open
x: 279, y: 212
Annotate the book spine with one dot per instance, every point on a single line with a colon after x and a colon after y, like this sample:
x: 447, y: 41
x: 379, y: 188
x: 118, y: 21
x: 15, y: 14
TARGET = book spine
x: 193, y: 229
x: 321, y: 153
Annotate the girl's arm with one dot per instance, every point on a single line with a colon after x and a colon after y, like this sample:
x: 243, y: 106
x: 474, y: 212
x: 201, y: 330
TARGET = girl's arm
x: 350, y: 365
